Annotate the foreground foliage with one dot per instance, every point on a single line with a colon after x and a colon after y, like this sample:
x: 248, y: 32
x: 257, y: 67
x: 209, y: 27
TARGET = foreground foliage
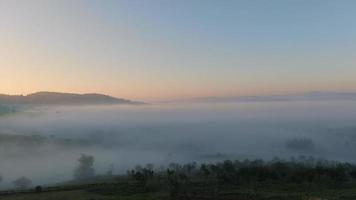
x: 299, y: 179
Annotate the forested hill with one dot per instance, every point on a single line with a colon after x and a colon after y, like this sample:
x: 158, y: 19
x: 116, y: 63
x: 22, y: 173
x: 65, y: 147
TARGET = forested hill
x: 54, y: 98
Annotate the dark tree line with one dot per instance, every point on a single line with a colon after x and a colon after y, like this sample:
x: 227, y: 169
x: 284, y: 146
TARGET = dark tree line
x: 302, y: 170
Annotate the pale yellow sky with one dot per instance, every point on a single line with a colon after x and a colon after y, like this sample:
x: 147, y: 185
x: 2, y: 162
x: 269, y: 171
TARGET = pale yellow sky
x: 168, y: 50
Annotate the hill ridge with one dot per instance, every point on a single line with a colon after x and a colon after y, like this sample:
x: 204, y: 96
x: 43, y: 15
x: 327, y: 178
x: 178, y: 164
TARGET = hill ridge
x: 61, y: 98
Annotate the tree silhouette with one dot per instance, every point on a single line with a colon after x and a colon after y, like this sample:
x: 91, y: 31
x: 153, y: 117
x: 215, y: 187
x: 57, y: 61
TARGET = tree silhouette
x: 22, y: 182
x: 85, y: 169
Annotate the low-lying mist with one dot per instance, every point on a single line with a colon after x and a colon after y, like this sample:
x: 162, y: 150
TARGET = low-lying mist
x: 44, y: 143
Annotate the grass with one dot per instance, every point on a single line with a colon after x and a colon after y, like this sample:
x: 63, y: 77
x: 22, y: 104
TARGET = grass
x: 131, y: 191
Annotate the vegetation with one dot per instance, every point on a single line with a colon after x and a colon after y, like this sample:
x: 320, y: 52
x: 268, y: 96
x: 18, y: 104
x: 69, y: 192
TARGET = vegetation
x: 55, y: 98
x: 297, y: 178
x: 23, y: 183
x: 6, y: 110
x: 300, y: 144
x: 37, y: 141
x: 85, y: 170
x: 293, y: 178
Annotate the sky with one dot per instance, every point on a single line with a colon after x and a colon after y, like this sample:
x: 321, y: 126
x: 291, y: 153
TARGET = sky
x: 165, y: 49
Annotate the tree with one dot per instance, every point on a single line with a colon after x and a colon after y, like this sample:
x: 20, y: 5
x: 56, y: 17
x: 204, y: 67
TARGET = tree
x: 22, y: 182
x: 142, y: 175
x: 301, y: 144
x: 38, y: 189
x: 85, y: 169
x: 173, y: 182
x: 205, y: 170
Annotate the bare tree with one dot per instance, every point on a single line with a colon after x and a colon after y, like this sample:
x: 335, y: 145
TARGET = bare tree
x: 22, y: 182
x: 85, y: 169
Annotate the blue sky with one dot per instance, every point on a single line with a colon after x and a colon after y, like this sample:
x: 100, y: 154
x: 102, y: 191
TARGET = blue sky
x: 162, y: 49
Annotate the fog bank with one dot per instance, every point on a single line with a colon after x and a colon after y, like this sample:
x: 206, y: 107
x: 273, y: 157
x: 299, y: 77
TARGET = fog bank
x: 43, y: 143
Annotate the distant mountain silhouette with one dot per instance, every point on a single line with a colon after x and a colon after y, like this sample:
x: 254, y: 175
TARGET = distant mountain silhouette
x: 55, y: 98
x: 308, y: 96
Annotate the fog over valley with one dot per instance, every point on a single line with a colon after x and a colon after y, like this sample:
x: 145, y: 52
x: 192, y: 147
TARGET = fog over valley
x: 43, y: 143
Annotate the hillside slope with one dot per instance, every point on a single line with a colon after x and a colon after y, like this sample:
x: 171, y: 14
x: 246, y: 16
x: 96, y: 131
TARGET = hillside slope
x: 55, y: 98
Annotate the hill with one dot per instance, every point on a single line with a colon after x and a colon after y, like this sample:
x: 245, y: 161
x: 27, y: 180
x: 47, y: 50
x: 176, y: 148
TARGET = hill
x: 55, y: 98
x: 308, y: 96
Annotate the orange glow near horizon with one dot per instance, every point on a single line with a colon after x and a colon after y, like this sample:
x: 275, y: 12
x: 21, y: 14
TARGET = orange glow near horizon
x: 98, y: 49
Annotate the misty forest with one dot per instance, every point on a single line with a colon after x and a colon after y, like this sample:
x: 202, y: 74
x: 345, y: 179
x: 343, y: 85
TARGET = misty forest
x: 245, y: 150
